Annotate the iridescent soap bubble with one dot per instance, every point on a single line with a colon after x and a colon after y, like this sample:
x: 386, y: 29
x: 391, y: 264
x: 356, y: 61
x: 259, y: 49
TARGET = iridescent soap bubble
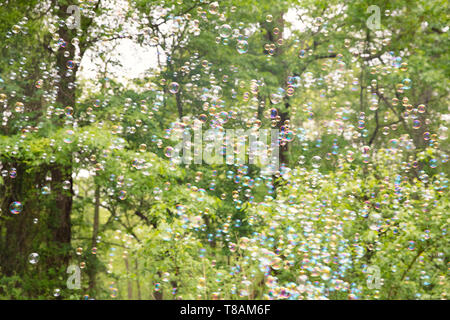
x: 122, y: 194
x: 213, y: 7
x: 203, y: 118
x: 350, y: 156
x: 326, y: 273
x: 169, y: 152
x: 66, y: 185
x: 165, y: 276
x: 45, y: 190
x: 316, y: 161
x: 225, y: 31
x: 69, y: 136
x: 16, y: 29
x: 242, y: 46
x: 68, y: 111
x: 273, y: 113
x: 232, y: 247
x: 276, y: 98
x: 433, y: 163
x: 373, y: 105
x: 70, y: 64
x: 16, y: 207
x: 215, y: 295
x: 114, y: 292
x: 38, y: 84
x: 271, y: 281
x: 20, y: 107
x: 393, y: 143
x: 143, y: 147
x: 219, y: 276
x: 276, y: 263
x: 301, y: 159
x: 13, y: 173
x: 243, y: 293
x: 33, y: 258
x: 216, y: 91
x: 406, y: 84
x: 174, y: 87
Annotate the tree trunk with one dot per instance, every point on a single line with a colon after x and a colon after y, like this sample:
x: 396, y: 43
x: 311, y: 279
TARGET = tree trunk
x: 93, y: 260
x: 129, y: 283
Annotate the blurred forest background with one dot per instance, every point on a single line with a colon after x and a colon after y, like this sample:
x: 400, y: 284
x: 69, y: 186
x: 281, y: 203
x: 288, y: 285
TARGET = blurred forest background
x: 89, y: 185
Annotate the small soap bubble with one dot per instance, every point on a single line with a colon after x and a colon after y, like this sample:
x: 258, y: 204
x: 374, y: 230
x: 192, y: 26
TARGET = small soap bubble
x: 225, y: 31
x: 122, y: 194
x: 16, y: 207
x: 316, y: 161
x: 174, y: 87
x: 33, y: 258
x: 242, y: 46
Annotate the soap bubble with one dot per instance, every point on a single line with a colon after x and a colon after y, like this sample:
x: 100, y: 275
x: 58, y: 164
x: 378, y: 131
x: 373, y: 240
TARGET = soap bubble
x: 13, y: 173
x: 16, y: 207
x: 38, y: 84
x: 169, y: 152
x: 225, y: 31
x: 45, y: 190
x: 406, y: 84
x: 214, y: 7
x: 70, y: 64
x: 242, y: 46
x: 69, y: 136
x: 143, y: 147
x: 20, y: 108
x: 33, y: 258
x: 174, y: 87
x: 316, y: 161
x: 56, y: 292
x: 66, y: 185
x: 122, y: 194
x: 114, y: 292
